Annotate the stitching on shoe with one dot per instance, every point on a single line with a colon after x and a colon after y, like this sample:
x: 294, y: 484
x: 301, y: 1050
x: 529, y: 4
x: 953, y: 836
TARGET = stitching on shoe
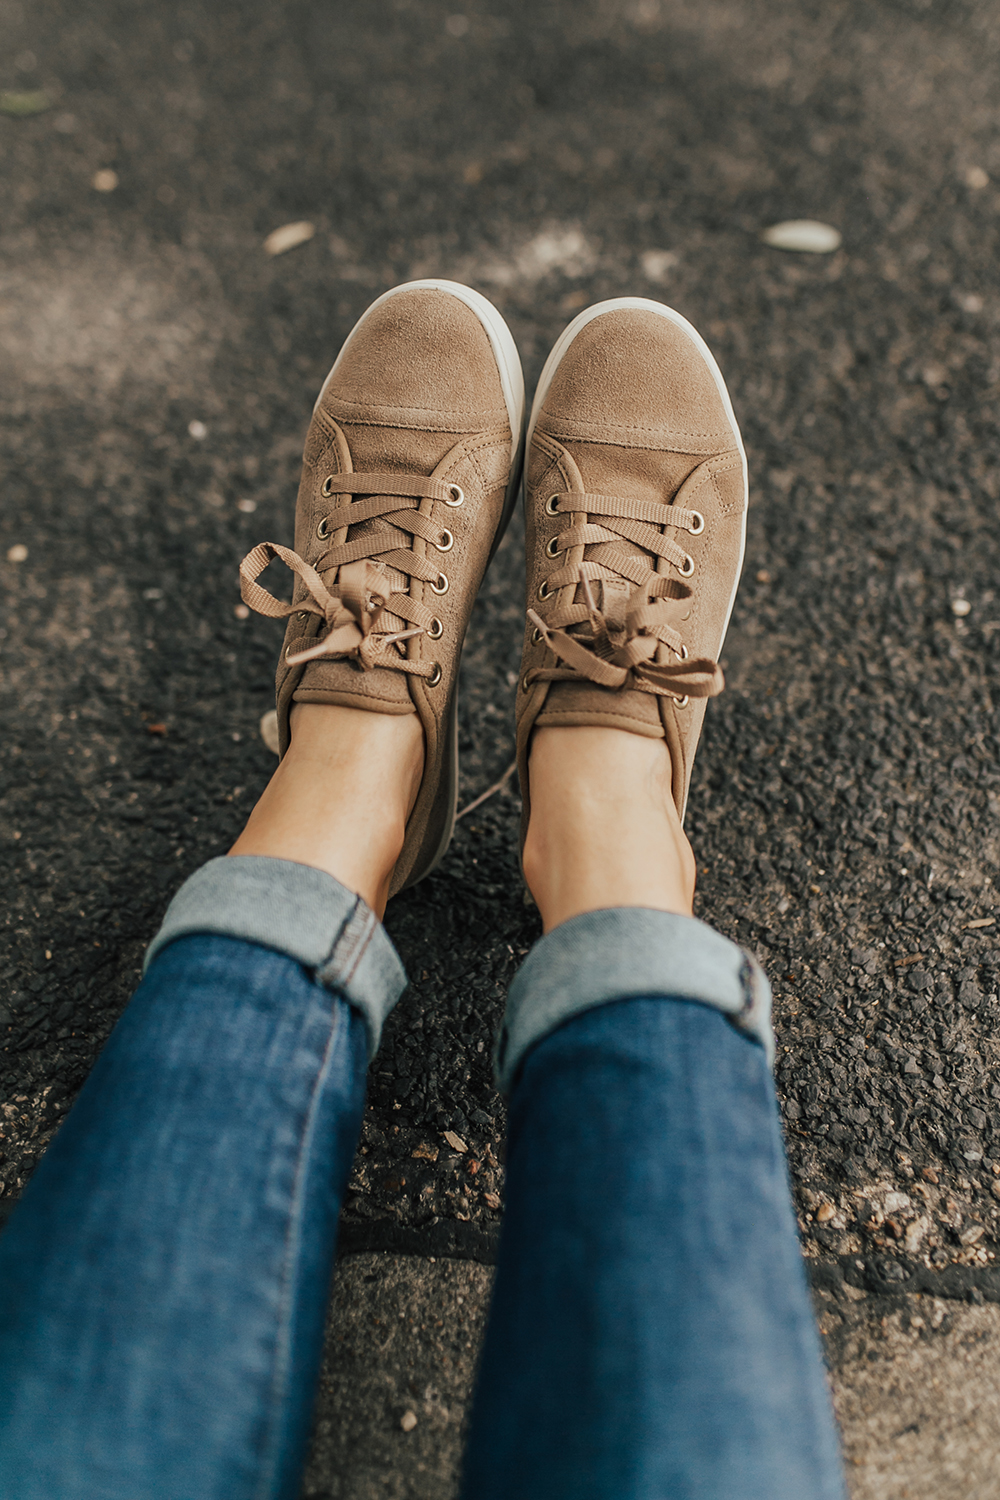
x: 428, y: 411
x: 715, y: 432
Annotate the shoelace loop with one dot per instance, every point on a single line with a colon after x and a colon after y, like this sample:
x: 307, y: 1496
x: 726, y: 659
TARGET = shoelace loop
x: 363, y: 613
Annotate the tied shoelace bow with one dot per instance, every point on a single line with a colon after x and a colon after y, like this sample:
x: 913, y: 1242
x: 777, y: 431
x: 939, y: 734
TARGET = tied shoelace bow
x: 363, y: 613
x: 624, y: 642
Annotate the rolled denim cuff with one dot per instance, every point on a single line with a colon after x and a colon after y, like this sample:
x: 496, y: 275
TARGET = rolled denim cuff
x: 626, y: 953
x: 297, y: 910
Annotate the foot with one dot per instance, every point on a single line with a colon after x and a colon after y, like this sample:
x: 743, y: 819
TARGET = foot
x: 636, y: 510
x: 409, y: 475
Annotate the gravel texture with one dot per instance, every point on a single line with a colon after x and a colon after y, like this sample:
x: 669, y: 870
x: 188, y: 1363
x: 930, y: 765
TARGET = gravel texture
x: 156, y: 377
x: 914, y: 1383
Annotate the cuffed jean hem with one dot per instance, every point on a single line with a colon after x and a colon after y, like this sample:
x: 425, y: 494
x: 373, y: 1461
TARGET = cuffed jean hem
x: 297, y: 910
x: 622, y: 953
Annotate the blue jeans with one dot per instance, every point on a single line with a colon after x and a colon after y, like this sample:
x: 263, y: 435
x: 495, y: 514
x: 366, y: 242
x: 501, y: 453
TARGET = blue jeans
x: 165, y: 1276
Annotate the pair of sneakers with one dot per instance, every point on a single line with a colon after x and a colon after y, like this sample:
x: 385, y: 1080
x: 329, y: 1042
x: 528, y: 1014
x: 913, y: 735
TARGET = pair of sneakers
x: 635, y: 501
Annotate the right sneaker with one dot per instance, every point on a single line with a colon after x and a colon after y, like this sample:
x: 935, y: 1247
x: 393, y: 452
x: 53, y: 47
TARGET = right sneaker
x: 411, y: 469
x: 635, y: 500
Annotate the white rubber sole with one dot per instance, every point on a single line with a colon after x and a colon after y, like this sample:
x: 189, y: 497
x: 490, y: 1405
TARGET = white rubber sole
x: 500, y: 337
x: 645, y: 304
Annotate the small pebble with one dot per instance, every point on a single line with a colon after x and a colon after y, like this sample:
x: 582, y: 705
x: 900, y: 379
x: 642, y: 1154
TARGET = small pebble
x: 246, y: 506
x: 197, y: 430
x: 288, y: 236
x: 657, y: 264
x: 455, y: 1141
x: 960, y: 607
x: 105, y: 181
x: 807, y: 235
x: 241, y: 612
x: 824, y: 1213
x: 17, y: 553
x: 408, y: 1421
x: 763, y: 576
x: 976, y: 178
x: 269, y: 730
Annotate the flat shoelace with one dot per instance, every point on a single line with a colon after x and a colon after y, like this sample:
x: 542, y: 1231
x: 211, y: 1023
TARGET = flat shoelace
x: 630, y: 640
x: 363, y: 614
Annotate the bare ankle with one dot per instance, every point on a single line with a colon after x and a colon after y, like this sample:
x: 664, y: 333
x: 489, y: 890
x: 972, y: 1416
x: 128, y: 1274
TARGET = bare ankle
x: 604, y: 830
x: 340, y: 798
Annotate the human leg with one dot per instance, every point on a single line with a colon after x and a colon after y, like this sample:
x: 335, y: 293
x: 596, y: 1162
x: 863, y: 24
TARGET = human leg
x: 168, y: 1264
x: 165, y: 1274
x: 651, y: 1333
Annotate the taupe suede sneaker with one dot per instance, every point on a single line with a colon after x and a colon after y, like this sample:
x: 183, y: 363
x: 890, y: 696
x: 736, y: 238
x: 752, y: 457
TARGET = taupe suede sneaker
x: 636, y: 497
x: 411, y: 467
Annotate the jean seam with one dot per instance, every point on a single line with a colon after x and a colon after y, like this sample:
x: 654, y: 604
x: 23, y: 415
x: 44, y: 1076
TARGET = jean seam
x: 293, y: 1241
x: 357, y: 946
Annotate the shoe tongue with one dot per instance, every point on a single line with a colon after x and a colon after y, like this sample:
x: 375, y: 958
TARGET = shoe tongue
x: 627, y: 473
x: 390, y: 450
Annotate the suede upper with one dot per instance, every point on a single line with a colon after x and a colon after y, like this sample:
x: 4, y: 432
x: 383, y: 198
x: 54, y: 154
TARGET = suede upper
x: 416, y: 391
x: 633, y: 411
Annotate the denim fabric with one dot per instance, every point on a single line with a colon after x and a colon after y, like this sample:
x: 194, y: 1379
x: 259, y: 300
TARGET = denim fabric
x: 609, y: 955
x: 164, y: 1277
x: 651, y: 1335
x: 299, y: 911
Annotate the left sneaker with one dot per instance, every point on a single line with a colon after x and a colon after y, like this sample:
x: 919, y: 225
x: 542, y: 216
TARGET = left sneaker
x: 635, y: 502
x: 410, y: 473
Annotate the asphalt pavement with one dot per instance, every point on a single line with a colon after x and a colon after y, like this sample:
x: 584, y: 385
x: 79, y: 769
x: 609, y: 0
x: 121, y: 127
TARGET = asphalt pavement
x: 157, y: 370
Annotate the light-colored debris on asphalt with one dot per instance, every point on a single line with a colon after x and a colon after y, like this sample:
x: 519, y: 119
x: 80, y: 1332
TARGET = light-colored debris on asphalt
x: 24, y: 102
x: 807, y: 235
x: 288, y: 236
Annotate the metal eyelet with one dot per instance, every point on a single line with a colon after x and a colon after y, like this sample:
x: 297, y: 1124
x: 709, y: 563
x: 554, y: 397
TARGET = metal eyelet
x: 544, y: 592
x: 688, y: 568
x: 446, y: 543
x: 697, y: 529
x: 553, y: 549
x: 551, y: 505
x: 441, y: 587
x: 436, y: 675
x: 526, y: 683
x: 328, y: 486
x: 458, y: 495
x: 536, y: 636
x: 302, y: 614
x: 435, y: 630
x: 682, y: 702
x: 683, y: 652
x: 323, y: 529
